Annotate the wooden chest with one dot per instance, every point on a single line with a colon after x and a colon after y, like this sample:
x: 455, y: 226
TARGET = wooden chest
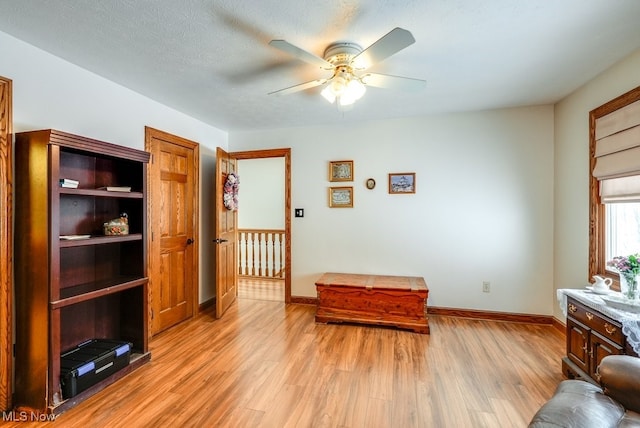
x: 398, y: 301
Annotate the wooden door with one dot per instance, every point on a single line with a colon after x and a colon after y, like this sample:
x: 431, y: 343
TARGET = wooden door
x: 173, y: 220
x: 600, y: 348
x: 226, y: 238
x: 577, y: 344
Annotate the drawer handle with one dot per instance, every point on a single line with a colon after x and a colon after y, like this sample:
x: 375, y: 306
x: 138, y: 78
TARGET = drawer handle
x: 572, y: 308
x: 609, y: 328
x: 589, y: 315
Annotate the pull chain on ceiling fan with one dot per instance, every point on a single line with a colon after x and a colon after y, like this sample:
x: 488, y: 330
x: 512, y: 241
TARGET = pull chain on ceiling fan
x: 347, y: 61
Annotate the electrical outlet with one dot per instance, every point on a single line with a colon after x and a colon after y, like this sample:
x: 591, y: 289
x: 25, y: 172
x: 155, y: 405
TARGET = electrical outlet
x: 486, y: 287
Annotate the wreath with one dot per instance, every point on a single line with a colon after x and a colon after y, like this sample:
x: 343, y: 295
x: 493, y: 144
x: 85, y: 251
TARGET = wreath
x: 230, y: 195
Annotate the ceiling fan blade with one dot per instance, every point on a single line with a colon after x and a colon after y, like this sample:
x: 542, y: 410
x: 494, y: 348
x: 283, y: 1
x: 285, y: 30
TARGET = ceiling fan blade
x: 392, y: 42
x: 301, y: 54
x: 392, y: 82
x: 300, y: 87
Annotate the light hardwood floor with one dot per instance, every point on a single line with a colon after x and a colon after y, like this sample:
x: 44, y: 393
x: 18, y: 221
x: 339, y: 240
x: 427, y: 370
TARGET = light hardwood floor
x: 261, y: 289
x: 268, y: 364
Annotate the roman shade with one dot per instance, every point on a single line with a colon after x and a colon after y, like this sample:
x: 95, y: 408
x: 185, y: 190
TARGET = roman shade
x: 622, y: 189
x: 617, y: 153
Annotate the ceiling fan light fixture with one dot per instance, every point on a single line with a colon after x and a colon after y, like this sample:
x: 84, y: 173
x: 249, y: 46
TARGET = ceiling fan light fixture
x: 352, y: 92
x: 346, y: 59
x: 339, y: 85
x: 347, y: 90
x: 356, y: 89
x: 328, y: 94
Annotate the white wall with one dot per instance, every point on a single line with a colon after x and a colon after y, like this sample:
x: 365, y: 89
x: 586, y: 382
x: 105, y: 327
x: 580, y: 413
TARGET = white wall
x: 571, y: 215
x: 49, y: 92
x: 483, y: 210
x: 261, y: 205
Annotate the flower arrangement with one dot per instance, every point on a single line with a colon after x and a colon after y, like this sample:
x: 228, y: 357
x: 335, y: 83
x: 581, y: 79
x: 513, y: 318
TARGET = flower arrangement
x: 629, y: 268
x: 626, y: 265
x: 230, y: 191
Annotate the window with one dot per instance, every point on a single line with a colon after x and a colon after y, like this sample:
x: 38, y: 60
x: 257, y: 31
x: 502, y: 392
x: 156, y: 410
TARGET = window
x: 614, y: 196
x: 622, y: 229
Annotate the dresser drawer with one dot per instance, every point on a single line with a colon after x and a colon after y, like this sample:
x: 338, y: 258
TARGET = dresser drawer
x: 606, y: 327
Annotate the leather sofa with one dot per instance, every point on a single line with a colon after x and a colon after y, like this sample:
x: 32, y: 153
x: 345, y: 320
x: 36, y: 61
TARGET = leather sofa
x: 578, y: 403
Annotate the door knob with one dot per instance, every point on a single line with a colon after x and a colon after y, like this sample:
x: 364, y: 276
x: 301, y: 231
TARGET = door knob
x: 220, y: 241
x: 190, y: 241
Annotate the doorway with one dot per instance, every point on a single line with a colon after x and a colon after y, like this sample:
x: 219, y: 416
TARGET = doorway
x: 264, y: 264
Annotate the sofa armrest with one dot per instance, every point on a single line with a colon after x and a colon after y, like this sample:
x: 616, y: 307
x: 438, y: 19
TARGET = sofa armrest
x: 578, y: 404
x: 620, y: 380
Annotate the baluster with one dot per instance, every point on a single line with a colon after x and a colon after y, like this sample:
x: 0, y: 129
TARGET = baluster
x: 281, y: 271
x: 274, y: 271
x: 260, y: 254
x: 240, y: 234
x: 253, y: 254
x: 243, y: 267
x: 266, y: 254
x: 265, y: 274
x: 272, y: 261
x: 274, y: 256
x: 246, y: 253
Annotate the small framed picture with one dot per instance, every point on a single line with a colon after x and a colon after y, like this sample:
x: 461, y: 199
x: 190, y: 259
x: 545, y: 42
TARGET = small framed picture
x: 341, y: 197
x: 341, y: 171
x: 402, y: 182
x: 370, y: 183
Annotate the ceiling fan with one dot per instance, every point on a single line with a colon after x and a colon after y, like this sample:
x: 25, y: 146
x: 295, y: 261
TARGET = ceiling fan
x: 347, y: 62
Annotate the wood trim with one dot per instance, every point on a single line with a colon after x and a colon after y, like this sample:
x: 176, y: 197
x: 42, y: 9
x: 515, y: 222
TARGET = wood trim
x: 65, y: 139
x: 207, y: 305
x: 286, y: 154
x: 260, y: 154
x: 468, y: 313
x: 490, y: 315
x: 6, y: 243
x: 597, y: 262
x: 301, y: 300
x: 558, y: 325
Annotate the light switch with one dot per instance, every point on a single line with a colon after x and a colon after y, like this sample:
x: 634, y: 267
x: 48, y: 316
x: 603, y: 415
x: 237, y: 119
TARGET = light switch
x: 299, y: 212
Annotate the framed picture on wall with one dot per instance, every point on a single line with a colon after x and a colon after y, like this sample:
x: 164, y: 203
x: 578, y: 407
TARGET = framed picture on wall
x: 341, y: 197
x: 341, y: 171
x: 402, y: 182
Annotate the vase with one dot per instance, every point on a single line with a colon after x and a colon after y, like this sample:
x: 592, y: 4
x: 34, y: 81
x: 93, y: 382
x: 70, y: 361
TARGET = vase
x: 629, y: 286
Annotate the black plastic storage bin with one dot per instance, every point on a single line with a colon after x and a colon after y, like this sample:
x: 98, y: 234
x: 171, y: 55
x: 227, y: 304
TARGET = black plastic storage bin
x: 90, y: 362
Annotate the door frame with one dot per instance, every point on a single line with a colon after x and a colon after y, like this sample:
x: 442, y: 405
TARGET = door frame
x: 6, y: 246
x: 286, y: 154
x: 153, y: 270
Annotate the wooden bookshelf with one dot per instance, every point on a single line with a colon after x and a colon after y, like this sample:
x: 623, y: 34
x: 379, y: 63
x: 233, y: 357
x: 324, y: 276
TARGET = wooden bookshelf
x: 70, y: 291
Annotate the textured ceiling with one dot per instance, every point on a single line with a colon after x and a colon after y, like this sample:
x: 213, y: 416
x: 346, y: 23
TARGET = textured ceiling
x: 211, y: 59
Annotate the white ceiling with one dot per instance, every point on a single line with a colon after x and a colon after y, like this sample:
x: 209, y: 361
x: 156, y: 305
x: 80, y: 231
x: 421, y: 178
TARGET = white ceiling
x: 211, y: 59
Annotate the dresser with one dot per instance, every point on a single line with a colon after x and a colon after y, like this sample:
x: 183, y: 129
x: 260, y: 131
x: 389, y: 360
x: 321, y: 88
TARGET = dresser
x: 595, y: 330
